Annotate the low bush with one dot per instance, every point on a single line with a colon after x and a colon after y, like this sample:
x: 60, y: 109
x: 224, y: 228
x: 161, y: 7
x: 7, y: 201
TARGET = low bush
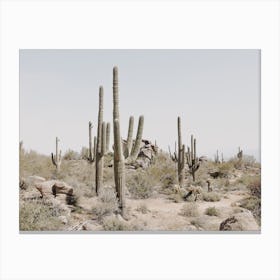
x: 212, y: 211
x: 189, y: 210
x: 211, y: 196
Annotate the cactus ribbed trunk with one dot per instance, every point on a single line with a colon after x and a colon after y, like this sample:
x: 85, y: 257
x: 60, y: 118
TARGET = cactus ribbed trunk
x: 181, y: 155
x: 99, y: 145
x: 91, y: 154
x: 129, y: 137
x: 119, y: 168
x: 138, y: 140
x: 108, y: 130
x: 56, y: 160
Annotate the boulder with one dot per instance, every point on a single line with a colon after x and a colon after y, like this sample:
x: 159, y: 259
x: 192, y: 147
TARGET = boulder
x: 24, y: 183
x: 54, y: 187
x: 243, y: 221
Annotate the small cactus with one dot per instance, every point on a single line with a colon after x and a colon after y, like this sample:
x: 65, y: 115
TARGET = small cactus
x: 240, y: 153
x: 192, y: 160
x: 56, y: 160
x: 91, y: 153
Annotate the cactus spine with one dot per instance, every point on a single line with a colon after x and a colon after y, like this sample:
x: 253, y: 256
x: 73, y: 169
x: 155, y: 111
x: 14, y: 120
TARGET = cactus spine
x: 181, y: 155
x: 119, y: 168
x: 56, y: 160
x: 100, y: 145
x: 91, y: 153
x: 192, y: 160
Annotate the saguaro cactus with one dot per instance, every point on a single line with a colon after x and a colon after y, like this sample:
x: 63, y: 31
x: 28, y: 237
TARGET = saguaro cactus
x: 240, y: 153
x: 136, y: 147
x: 192, y: 161
x: 91, y: 153
x: 108, y: 130
x: 128, y: 147
x: 56, y: 160
x: 100, y: 145
x: 181, y: 155
x: 119, y: 169
x: 217, y: 159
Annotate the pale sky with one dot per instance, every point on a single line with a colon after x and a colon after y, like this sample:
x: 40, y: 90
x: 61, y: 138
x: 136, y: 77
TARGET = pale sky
x: 216, y: 93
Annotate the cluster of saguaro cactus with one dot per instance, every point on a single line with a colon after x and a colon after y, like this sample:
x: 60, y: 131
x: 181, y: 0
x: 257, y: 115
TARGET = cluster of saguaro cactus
x: 119, y: 166
x: 56, y: 159
x: 131, y: 149
x: 240, y: 153
x: 181, y: 155
x: 192, y: 160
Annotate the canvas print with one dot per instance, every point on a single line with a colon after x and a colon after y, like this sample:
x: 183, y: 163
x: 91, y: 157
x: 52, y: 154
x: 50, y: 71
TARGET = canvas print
x: 145, y: 141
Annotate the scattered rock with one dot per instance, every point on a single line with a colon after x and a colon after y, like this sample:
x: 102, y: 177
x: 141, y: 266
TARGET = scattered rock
x: 243, y: 221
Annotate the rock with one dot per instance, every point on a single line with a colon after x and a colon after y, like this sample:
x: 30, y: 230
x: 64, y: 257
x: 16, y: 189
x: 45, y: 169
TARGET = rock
x: 54, y: 187
x: 243, y: 221
x: 24, y: 183
x: 63, y: 219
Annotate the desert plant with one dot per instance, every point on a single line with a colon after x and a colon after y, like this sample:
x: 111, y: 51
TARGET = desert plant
x: 119, y: 168
x: 212, y: 211
x: 71, y: 155
x: 100, y: 145
x: 91, y: 150
x: 190, y: 209
x: 114, y: 224
x: 181, y: 155
x: 192, y: 161
x: 211, y: 196
x: 56, y: 160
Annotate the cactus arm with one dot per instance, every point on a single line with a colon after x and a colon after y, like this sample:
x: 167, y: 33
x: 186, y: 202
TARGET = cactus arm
x: 136, y: 146
x: 129, y: 137
x: 108, y: 130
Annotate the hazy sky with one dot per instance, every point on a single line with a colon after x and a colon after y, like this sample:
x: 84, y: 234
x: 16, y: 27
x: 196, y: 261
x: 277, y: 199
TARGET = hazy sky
x: 216, y: 93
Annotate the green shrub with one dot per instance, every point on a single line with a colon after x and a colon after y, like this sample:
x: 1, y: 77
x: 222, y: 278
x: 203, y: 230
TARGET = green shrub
x: 106, y: 204
x: 139, y: 184
x: 189, y: 210
x: 211, y: 196
x: 212, y: 211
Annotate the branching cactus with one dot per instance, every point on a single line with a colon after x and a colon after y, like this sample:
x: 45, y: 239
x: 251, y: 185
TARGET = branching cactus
x: 181, y: 156
x: 100, y: 145
x: 192, y: 160
x: 119, y: 168
x: 240, y: 153
x: 91, y: 153
x: 56, y: 159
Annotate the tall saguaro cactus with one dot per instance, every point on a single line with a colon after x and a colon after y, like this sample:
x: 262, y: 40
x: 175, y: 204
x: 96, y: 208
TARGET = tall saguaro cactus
x: 181, y: 155
x: 91, y: 153
x: 56, y: 159
x: 108, y: 130
x: 192, y: 161
x: 100, y: 145
x: 119, y: 169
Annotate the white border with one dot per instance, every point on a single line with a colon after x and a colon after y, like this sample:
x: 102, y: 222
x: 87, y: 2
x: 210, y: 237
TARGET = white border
x: 155, y: 24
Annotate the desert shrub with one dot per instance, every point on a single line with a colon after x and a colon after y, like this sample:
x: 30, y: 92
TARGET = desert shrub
x: 189, y: 210
x: 253, y: 204
x: 176, y: 197
x: 255, y: 188
x: 142, y: 208
x: 106, y: 204
x: 84, y: 153
x: 71, y: 155
x: 139, y: 184
x: 38, y: 215
x: 212, y: 211
x: 114, y: 224
x: 210, y: 196
x: 163, y: 171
